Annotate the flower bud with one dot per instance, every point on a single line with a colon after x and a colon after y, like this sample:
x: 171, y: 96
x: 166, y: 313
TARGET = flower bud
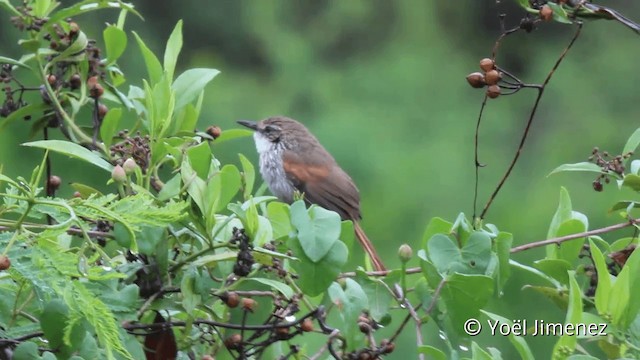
x: 405, y: 253
x: 118, y: 174
x: 129, y: 166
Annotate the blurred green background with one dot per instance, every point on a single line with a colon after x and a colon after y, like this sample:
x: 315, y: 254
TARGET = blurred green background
x: 382, y: 85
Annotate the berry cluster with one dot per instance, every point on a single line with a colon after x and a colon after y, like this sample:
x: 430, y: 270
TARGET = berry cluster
x: 245, y: 260
x: 608, y: 165
x: 489, y: 77
x: 136, y: 148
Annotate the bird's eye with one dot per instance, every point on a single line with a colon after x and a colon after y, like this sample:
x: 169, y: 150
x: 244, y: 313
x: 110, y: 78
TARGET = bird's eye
x: 269, y: 129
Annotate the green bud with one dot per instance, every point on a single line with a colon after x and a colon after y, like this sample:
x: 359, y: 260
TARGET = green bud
x: 405, y: 253
x: 118, y: 175
x: 129, y: 166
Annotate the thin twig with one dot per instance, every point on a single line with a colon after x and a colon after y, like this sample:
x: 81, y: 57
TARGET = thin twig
x: 561, y: 239
x: 530, y: 121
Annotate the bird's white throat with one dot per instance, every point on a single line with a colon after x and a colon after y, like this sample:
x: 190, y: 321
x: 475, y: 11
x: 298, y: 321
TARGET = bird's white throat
x: 262, y: 143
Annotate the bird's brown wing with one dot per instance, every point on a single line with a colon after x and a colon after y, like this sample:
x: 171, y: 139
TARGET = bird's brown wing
x: 324, y: 184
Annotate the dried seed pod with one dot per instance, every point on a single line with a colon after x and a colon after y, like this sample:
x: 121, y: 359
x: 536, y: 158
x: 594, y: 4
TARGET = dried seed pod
x: 476, y: 80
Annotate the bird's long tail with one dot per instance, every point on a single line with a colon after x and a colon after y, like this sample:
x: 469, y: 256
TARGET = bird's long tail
x: 368, y: 247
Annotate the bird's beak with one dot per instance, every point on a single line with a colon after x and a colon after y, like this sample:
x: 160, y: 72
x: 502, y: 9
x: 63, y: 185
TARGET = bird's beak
x: 253, y: 125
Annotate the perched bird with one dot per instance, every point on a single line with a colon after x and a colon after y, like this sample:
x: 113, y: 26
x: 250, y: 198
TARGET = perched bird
x: 292, y: 159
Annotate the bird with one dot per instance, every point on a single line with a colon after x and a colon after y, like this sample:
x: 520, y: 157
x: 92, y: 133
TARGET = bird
x: 293, y: 160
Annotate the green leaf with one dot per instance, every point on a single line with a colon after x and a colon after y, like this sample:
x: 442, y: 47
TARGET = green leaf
x: 85, y: 190
x: 248, y: 175
x: 632, y: 143
x: 154, y: 69
x: 603, y: 291
x: 557, y: 295
x: 556, y: 268
x: 75, y: 51
x: 378, y: 295
x: 72, y: 150
x: 477, y: 353
x: 171, y: 188
x: 115, y: 41
x: 473, y: 258
x: 518, y: 341
x: 278, y: 215
x: 190, y: 298
x: 569, y: 250
x: 315, y: 277
x: 436, y: 226
x: 631, y: 181
x: 284, y: 289
x: 148, y: 238
x: 350, y: 302
x: 625, y: 204
x: 89, y: 5
x: 229, y: 186
x: 190, y: 84
x: 6, y: 60
x: 109, y: 126
x: 503, y: 244
x: 174, y: 45
x: 26, y: 351
x: 318, y: 229
x: 200, y: 159
x: 434, y: 353
x: 567, y: 343
x: 559, y: 14
x: 232, y: 134
x: 582, y: 166
x: 207, y: 260
x: 464, y: 296
x: 33, y: 110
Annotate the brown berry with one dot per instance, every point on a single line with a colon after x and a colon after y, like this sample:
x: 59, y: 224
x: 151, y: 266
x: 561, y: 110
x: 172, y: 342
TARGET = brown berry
x: 92, y: 81
x: 487, y: 64
x: 233, y: 342
x: 232, y: 299
x: 5, y: 263
x: 493, y: 91
x: 102, y: 111
x: 388, y: 348
x: 364, y: 356
x: 364, y: 327
x: 77, y: 194
x: 492, y: 77
x: 96, y: 91
x: 546, y: 14
x: 597, y: 186
x: 51, y: 79
x: 73, y: 29
x: 54, y: 182
x: 282, y: 332
x: 214, y: 131
x: 248, y: 304
x: 476, y: 80
x: 307, y: 325
x: 75, y: 81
